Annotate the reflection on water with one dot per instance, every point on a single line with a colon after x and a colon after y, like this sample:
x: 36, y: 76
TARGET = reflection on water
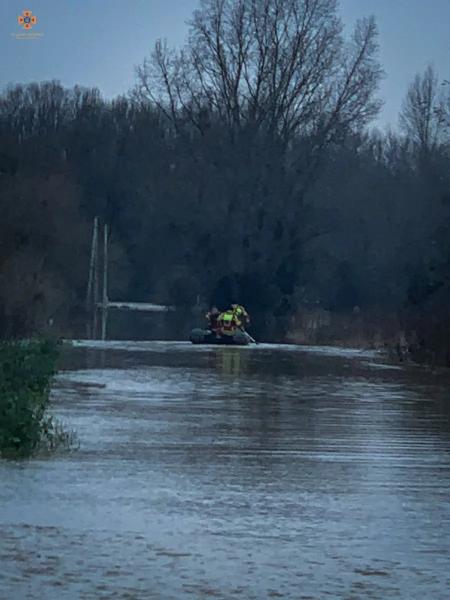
x: 229, y: 361
x: 255, y: 472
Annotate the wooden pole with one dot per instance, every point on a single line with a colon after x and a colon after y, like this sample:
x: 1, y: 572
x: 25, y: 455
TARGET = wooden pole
x: 105, y: 282
x: 95, y: 292
x: 91, y: 277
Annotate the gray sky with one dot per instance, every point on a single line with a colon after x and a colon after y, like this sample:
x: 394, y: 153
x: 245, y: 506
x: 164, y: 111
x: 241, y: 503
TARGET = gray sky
x: 98, y: 42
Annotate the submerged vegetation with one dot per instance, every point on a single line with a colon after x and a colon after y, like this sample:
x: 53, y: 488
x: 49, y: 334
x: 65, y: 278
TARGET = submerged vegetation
x: 26, y: 371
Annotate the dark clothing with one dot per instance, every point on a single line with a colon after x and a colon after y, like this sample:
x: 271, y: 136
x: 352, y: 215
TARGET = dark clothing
x: 213, y: 321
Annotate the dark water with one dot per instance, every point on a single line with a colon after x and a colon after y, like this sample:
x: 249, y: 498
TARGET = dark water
x: 251, y: 473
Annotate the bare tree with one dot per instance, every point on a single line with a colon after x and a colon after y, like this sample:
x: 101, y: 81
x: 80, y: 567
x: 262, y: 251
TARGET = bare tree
x: 276, y: 65
x: 443, y: 109
x: 419, y: 119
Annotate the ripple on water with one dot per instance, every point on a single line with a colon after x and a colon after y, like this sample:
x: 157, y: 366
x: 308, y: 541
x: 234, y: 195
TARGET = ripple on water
x: 234, y: 473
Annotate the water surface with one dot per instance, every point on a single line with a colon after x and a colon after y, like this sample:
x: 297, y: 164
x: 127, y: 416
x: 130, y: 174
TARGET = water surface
x: 258, y: 472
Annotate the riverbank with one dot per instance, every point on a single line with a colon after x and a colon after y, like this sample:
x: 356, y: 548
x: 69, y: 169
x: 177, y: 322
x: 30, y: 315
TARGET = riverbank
x: 409, y: 336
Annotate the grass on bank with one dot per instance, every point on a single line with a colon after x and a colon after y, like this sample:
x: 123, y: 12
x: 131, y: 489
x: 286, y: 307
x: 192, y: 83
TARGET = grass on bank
x: 26, y: 372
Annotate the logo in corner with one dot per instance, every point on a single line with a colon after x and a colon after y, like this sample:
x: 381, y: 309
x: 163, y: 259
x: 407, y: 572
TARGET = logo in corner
x: 27, y: 19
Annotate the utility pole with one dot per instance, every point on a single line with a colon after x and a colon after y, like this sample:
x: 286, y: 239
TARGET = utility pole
x: 92, y: 267
x: 93, y: 306
x: 105, y: 282
x: 95, y: 294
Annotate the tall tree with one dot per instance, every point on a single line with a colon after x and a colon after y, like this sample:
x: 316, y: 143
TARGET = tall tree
x: 274, y: 65
x: 418, y: 118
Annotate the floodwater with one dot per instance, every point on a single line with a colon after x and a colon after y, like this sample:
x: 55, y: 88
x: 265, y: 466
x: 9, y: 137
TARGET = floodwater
x: 223, y: 473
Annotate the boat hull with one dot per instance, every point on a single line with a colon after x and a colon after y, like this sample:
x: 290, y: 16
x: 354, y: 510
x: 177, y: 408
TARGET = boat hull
x: 204, y: 336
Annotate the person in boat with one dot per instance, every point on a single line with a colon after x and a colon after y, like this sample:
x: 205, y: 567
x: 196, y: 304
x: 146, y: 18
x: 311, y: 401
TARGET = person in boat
x: 241, y: 316
x: 212, y: 317
x: 234, y: 319
x: 227, y: 322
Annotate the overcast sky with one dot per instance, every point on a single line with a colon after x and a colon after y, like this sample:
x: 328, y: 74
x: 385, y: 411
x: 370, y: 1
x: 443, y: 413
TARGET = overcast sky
x: 98, y: 42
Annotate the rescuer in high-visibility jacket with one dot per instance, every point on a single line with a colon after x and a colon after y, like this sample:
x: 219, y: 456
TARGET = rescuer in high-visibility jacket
x: 227, y: 322
x: 233, y: 319
x: 241, y: 316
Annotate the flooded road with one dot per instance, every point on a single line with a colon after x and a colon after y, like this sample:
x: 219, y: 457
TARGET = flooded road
x: 253, y: 473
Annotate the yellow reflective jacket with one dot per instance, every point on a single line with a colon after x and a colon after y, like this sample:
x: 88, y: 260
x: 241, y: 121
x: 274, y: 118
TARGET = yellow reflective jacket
x: 240, y: 314
x: 228, y: 322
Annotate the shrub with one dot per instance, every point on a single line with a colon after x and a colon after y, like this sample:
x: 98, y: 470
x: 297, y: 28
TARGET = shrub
x: 26, y: 371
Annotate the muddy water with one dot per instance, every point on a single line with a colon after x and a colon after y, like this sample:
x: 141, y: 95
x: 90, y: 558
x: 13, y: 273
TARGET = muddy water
x: 264, y: 472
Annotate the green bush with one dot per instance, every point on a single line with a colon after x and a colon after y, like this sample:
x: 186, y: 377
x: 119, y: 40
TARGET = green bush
x: 26, y: 371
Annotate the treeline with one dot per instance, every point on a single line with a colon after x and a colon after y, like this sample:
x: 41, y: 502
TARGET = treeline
x: 239, y: 166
